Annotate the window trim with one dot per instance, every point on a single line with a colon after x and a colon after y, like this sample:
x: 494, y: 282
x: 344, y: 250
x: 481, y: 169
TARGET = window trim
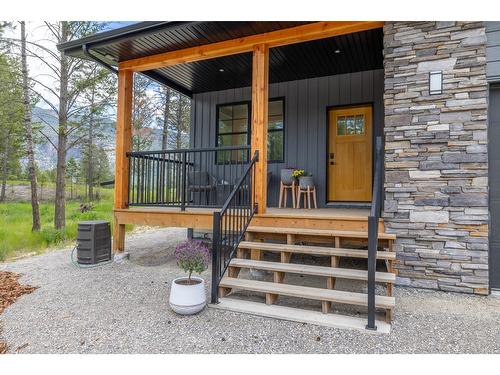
x: 249, y: 125
x: 275, y: 99
x: 249, y: 128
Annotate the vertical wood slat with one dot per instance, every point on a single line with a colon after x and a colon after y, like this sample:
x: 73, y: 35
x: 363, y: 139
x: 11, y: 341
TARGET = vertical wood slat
x: 123, y: 145
x: 260, y: 95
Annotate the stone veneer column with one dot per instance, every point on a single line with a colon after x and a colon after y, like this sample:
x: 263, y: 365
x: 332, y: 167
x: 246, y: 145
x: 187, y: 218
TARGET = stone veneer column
x: 436, y: 160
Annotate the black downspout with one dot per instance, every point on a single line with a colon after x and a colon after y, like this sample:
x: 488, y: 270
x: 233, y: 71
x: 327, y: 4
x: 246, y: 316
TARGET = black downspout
x: 150, y: 74
x: 104, y: 64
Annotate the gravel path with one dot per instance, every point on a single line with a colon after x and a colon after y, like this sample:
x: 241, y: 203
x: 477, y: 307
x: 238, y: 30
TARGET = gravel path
x: 123, y: 308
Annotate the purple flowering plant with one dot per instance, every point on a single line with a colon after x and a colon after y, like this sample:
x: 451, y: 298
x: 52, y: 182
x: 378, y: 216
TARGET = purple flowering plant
x: 192, y: 256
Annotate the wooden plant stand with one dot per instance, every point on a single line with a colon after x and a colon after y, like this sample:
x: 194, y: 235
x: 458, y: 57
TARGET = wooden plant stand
x: 307, y: 192
x: 283, y: 194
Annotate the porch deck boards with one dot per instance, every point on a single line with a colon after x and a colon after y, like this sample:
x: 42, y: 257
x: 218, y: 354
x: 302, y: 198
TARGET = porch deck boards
x: 272, y: 211
x: 202, y: 218
x: 327, y: 212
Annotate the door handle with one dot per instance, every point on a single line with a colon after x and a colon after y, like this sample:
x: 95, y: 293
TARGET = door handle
x: 332, y: 155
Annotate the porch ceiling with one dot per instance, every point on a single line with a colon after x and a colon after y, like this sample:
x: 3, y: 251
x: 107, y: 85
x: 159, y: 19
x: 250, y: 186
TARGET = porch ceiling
x: 358, y: 51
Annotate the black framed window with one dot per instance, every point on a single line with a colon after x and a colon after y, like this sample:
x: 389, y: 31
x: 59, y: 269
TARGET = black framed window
x: 233, y: 129
x: 276, y: 131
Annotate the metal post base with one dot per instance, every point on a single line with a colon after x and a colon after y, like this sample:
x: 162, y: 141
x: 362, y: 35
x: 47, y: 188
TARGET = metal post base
x: 121, y: 256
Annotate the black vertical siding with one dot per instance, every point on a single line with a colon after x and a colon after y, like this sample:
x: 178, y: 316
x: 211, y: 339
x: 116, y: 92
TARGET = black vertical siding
x: 493, y: 51
x: 306, y: 104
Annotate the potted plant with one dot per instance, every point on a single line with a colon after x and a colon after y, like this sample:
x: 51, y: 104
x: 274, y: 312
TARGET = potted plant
x: 187, y: 294
x: 298, y: 173
x: 287, y: 175
x: 305, y: 180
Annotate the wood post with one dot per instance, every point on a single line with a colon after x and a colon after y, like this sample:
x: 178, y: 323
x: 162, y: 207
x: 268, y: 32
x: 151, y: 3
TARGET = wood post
x: 278, y: 277
x: 330, y: 281
x: 123, y: 145
x: 260, y: 95
x: 255, y: 254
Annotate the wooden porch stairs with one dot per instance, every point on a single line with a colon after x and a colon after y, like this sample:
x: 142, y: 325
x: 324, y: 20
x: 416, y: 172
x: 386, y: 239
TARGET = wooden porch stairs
x: 291, y: 244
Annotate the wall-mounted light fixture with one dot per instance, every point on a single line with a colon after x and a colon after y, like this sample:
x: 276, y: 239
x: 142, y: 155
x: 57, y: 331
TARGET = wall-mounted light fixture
x: 436, y: 83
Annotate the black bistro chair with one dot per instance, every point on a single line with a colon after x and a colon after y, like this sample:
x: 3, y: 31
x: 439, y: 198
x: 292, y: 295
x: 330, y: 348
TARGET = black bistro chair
x: 201, y: 186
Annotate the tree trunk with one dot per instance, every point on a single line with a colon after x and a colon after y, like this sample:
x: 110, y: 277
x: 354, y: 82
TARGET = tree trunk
x: 179, y: 123
x: 30, y: 153
x: 5, y: 169
x: 164, y: 140
x: 90, y: 165
x: 60, y: 200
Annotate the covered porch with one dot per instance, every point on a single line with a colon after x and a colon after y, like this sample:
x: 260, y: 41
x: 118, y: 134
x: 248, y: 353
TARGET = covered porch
x: 317, y: 76
x: 305, y: 96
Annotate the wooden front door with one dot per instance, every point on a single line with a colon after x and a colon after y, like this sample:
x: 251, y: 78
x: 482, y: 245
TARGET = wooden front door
x: 350, y: 154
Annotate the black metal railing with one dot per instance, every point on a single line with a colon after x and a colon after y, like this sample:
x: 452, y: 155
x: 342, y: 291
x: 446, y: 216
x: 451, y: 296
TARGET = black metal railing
x: 230, y: 224
x: 373, y: 221
x: 185, y: 178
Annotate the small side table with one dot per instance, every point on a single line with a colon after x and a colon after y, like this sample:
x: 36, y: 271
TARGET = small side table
x: 222, y: 192
x: 311, y: 190
x: 283, y: 193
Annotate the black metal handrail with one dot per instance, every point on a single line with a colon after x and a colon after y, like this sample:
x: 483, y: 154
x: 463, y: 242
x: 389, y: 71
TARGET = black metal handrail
x: 373, y: 221
x: 231, y: 223
x: 183, y: 178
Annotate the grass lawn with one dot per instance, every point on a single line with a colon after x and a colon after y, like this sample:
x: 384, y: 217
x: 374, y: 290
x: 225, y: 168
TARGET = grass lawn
x: 17, y: 238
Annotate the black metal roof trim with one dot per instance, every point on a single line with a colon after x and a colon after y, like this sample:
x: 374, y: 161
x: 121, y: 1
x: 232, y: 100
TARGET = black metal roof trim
x: 360, y: 51
x: 120, y: 33
x: 167, y: 82
x: 131, y: 31
x: 98, y: 60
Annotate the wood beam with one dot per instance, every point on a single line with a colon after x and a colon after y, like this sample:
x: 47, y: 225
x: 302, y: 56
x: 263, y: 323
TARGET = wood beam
x: 123, y: 145
x: 260, y: 95
x: 197, y: 219
x: 298, y: 34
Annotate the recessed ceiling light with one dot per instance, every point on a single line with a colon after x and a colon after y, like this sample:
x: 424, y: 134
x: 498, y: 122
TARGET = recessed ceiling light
x: 336, y: 51
x: 221, y: 70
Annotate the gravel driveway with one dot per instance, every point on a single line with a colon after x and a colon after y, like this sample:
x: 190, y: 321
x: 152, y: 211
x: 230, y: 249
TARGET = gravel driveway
x: 123, y: 308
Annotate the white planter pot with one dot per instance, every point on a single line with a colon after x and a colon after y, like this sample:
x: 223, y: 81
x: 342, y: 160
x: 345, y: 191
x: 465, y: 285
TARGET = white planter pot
x: 187, y: 299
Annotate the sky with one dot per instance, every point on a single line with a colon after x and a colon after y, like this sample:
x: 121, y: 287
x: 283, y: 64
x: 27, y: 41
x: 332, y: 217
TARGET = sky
x: 116, y: 24
x: 37, y: 32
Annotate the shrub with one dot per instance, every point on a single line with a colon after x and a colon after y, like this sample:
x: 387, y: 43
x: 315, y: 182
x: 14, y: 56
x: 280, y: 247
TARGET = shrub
x: 52, y: 236
x: 192, y: 256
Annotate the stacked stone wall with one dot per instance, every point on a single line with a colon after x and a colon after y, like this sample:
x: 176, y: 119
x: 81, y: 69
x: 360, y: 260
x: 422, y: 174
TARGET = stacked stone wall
x: 436, y: 160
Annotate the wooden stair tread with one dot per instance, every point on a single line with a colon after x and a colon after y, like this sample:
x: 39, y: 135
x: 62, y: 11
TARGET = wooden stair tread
x: 319, y: 232
x: 344, y: 273
x: 315, y: 250
x: 294, y: 314
x: 319, y: 294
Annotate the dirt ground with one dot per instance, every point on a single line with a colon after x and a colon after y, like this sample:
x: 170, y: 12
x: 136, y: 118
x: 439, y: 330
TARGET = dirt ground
x: 10, y: 291
x: 20, y: 192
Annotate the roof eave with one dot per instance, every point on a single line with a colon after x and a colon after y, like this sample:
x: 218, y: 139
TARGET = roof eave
x: 127, y: 32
